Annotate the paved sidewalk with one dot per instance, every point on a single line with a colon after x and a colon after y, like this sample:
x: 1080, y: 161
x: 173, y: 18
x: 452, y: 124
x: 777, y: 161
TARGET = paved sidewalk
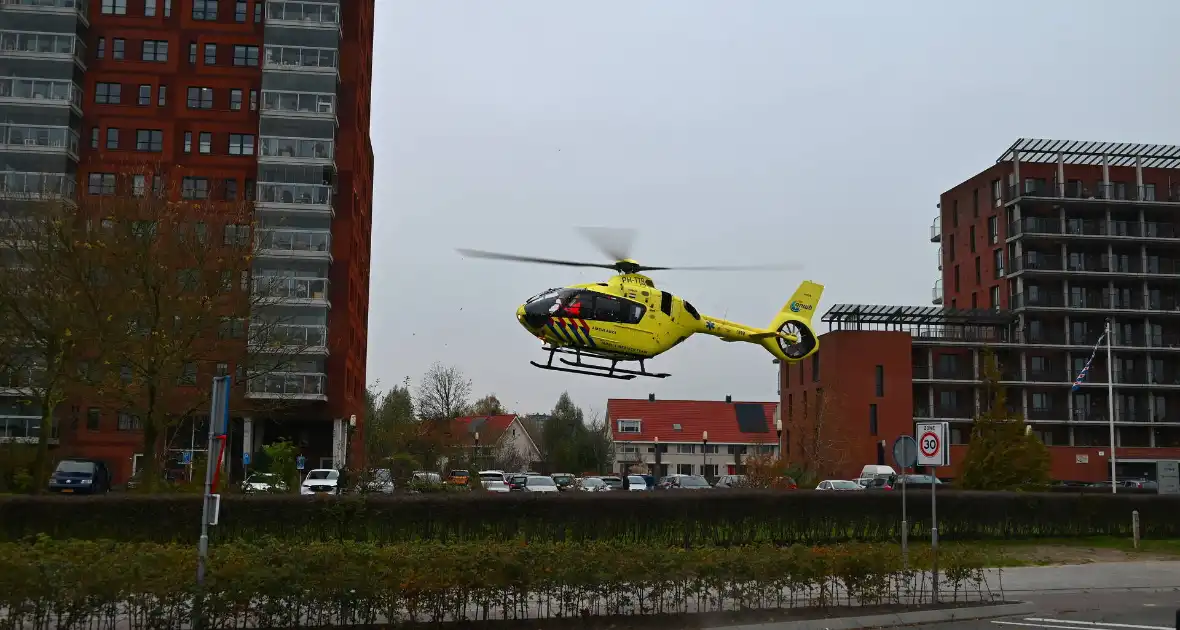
x: 1109, y: 575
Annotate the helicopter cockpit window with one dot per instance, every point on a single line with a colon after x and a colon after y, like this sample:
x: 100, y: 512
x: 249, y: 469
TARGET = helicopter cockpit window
x: 608, y: 308
x: 576, y: 304
x: 551, y: 293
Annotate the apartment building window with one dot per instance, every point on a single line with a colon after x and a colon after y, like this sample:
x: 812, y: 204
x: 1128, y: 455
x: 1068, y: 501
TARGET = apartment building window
x: 210, y: 54
x: 188, y: 142
x: 998, y: 192
x: 101, y: 184
x: 108, y: 93
x: 879, y: 380
x: 235, y: 100
x: 815, y: 368
x: 995, y: 297
x: 128, y: 422
x: 975, y: 203
x: 112, y: 137
x: 630, y: 426
x: 873, y: 419
x: 157, y: 185
x: 250, y: 190
x: 155, y: 50
x: 221, y: 369
x: 236, y: 234
x: 93, y: 418
x: 241, y: 144
x: 258, y: 13
x: 686, y: 449
x: 149, y: 8
x: 194, y: 188
x: 192, y: 52
x: 974, y: 300
x: 956, y: 278
x: 978, y: 271
x: 240, y: 11
x: 683, y: 469
x: 149, y: 140
x: 971, y: 237
x: 167, y: 8
x: 161, y: 95
x: 188, y: 375
x: 94, y: 131
x: 114, y: 7
x: 200, y: 98
x: 231, y: 189
x: 955, y: 213
x: 205, y: 10
x: 101, y: 50
x: 1149, y: 192
x: 118, y: 48
x: 206, y: 142
x: 245, y: 55
x: 138, y: 185
x: 993, y: 230
x: 253, y: 100
x: 145, y: 95
x: 998, y: 262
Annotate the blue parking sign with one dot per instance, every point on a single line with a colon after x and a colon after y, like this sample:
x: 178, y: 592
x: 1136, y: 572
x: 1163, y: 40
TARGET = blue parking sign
x: 186, y: 457
x: 300, y: 463
x: 245, y: 459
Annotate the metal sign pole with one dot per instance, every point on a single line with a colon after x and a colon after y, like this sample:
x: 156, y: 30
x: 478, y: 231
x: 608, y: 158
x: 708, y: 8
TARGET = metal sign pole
x: 218, y: 414
x: 905, y: 455
x: 933, y: 536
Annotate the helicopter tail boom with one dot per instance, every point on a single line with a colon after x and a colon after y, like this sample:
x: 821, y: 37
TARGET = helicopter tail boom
x: 791, y: 336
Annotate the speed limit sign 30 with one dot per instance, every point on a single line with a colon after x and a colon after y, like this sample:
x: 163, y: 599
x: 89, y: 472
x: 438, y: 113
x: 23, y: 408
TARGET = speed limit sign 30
x: 932, y: 443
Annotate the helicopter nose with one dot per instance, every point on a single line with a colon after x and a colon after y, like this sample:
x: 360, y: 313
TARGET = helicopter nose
x: 533, y: 316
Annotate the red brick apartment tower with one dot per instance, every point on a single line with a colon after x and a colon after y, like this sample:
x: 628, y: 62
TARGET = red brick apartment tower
x: 245, y: 99
x: 1036, y: 252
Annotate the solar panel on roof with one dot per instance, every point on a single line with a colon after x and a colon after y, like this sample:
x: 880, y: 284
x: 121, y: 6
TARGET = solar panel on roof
x: 750, y: 418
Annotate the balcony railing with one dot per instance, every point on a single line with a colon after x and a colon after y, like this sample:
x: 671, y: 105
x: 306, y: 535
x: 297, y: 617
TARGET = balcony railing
x: 300, y: 58
x: 301, y: 194
x: 1058, y: 412
x: 1041, y: 299
x: 15, y: 137
x: 306, y: 13
x: 1154, y: 229
x: 299, y: 335
x: 1117, y: 191
x: 1169, y: 302
x: 1037, y: 261
x: 79, y: 6
x: 936, y: 230
x: 1164, y: 341
x: 954, y: 373
x: 295, y: 241
x: 36, y: 185
x: 1049, y: 375
x: 287, y: 384
x: 1165, y: 377
x: 42, y: 43
x: 296, y: 148
x: 306, y: 103
x: 1168, y: 266
x: 41, y: 90
x: 1045, y: 335
x: 936, y: 292
x: 291, y: 288
x: 23, y: 428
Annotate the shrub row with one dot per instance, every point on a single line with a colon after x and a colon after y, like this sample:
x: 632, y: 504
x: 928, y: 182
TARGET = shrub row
x: 268, y: 584
x: 686, y: 519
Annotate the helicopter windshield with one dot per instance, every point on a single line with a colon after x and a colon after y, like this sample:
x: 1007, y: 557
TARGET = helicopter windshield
x: 550, y: 293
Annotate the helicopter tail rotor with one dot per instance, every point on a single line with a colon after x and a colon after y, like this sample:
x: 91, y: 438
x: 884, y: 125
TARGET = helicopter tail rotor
x: 793, y: 337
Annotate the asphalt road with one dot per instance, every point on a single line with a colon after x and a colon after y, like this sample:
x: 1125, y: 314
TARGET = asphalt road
x: 1092, y: 609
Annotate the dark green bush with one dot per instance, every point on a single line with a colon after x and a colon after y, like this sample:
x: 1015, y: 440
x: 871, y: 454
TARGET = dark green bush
x: 686, y: 519
x: 266, y: 584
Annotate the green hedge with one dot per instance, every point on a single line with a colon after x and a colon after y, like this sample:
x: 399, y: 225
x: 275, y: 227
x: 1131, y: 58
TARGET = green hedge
x: 268, y: 584
x: 686, y: 519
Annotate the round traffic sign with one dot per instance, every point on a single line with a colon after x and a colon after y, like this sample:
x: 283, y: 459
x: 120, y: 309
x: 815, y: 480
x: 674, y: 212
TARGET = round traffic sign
x: 905, y: 452
x: 928, y: 444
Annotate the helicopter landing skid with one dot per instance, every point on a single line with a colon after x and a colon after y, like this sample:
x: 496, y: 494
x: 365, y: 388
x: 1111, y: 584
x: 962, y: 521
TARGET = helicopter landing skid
x: 589, y: 369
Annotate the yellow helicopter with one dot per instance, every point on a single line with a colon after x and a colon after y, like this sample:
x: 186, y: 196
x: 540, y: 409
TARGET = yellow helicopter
x: 627, y: 319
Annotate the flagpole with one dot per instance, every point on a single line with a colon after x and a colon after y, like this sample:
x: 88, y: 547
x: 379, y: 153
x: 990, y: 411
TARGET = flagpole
x: 1110, y: 409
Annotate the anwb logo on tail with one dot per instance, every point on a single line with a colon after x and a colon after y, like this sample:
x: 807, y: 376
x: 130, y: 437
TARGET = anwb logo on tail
x: 799, y: 306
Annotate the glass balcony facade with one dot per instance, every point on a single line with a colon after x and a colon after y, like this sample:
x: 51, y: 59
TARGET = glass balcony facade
x: 288, y: 385
x: 304, y: 14
x: 294, y: 241
x: 24, y: 428
x: 39, y: 138
x: 296, y: 148
x: 297, y: 58
x: 38, y: 45
x: 40, y: 91
x: 291, y: 288
x: 301, y: 336
x: 298, y: 194
x: 299, y: 103
x: 36, y: 185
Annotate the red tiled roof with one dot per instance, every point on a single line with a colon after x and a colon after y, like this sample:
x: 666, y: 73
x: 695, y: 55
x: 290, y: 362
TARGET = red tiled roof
x: 719, y: 418
x: 490, y: 428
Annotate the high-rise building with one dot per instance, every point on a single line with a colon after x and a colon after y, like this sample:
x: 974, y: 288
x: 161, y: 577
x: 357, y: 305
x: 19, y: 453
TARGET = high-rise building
x: 1037, y: 253
x: 266, y: 101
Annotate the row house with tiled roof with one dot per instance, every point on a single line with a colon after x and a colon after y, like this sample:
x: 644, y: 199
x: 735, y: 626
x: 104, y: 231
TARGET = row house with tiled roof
x: 691, y: 437
x: 493, y: 440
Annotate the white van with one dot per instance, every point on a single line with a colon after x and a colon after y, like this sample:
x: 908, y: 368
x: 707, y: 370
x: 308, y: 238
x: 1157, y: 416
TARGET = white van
x: 871, y: 472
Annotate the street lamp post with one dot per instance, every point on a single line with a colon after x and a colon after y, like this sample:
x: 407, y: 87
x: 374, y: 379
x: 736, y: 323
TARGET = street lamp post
x: 659, y: 472
x: 704, y: 450
x: 475, y: 455
x: 778, y: 432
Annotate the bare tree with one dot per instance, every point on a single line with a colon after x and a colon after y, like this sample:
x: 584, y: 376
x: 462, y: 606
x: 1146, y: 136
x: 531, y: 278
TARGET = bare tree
x: 180, y: 285
x: 443, y: 393
x: 46, y: 317
x: 814, y: 443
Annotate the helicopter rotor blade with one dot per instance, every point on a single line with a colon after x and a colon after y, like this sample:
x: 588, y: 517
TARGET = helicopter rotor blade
x: 615, y: 243
x: 475, y: 253
x: 777, y: 267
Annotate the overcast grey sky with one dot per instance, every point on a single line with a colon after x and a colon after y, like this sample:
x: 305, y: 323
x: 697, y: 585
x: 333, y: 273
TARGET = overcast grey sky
x: 726, y: 132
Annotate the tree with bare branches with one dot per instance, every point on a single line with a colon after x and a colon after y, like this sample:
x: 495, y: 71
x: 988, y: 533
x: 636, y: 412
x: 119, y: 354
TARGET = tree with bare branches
x: 443, y: 393
x: 47, y: 317
x: 178, y: 261
x: 815, y: 445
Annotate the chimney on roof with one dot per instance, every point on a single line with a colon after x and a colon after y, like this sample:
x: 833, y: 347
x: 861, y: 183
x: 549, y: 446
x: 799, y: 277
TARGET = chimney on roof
x: 651, y: 398
x: 728, y: 398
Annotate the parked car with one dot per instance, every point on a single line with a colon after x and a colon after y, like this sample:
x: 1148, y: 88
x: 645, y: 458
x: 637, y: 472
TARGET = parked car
x: 459, y: 478
x: 686, y: 482
x: 540, y: 483
x: 636, y: 483
x: 379, y: 480
x: 493, y: 485
x: 839, y: 484
x: 592, y: 484
x: 321, y: 481
x: 615, y: 483
x: 564, y: 481
x: 492, y: 475
x: 730, y: 481
x: 516, y: 481
x: 80, y: 476
x: 263, y: 482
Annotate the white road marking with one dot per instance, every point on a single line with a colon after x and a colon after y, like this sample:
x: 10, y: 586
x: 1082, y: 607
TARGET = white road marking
x: 1041, y: 625
x: 1101, y: 623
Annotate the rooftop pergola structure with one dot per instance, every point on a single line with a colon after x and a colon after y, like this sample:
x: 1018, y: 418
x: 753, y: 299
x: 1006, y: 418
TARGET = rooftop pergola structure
x: 924, y: 322
x: 1078, y: 152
